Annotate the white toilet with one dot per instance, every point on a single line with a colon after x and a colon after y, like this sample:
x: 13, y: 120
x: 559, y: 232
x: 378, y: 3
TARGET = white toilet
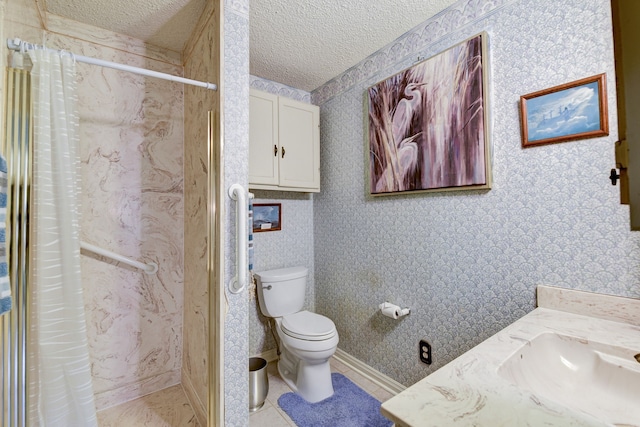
x: 307, y: 339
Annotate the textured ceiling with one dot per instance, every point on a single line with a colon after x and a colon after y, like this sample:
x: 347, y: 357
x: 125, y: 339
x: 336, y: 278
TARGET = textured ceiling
x: 165, y: 23
x: 302, y: 44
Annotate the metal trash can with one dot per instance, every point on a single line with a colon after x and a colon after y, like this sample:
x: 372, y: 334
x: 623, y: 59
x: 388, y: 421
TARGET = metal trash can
x: 258, y: 383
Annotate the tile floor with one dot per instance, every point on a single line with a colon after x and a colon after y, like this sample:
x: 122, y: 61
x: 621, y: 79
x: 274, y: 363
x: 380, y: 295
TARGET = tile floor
x: 170, y: 407
x: 270, y: 415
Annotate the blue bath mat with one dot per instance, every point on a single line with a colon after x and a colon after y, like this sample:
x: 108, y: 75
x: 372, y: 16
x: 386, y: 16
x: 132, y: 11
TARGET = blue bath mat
x: 350, y: 406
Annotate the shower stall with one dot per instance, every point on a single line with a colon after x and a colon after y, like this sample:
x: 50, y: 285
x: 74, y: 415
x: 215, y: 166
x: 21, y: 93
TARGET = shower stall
x: 149, y: 192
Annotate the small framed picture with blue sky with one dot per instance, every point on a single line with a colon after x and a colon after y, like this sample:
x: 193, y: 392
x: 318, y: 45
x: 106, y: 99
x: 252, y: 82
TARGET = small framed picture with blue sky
x: 267, y: 217
x: 576, y: 110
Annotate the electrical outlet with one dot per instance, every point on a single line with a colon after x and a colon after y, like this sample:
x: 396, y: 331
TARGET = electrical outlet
x: 425, y: 352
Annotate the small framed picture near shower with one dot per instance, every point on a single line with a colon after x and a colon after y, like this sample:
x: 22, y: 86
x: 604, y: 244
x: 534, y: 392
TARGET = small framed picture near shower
x: 576, y: 110
x: 267, y: 217
x: 427, y: 126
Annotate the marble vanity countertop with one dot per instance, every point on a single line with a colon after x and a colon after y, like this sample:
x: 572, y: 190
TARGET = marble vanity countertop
x: 469, y: 392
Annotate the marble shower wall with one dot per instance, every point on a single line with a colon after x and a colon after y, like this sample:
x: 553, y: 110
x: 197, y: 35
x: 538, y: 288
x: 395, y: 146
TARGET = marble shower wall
x: 131, y: 131
x: 291, y: 246
x: 202, y: 63
x: 467, y: 263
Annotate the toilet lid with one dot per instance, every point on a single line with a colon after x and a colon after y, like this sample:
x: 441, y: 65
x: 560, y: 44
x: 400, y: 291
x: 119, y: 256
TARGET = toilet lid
x: 308, y: 326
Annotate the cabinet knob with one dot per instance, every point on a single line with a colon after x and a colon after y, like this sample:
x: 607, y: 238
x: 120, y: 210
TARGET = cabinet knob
x: 275, y: 150
x: 283, y: 152
x: 614, y: 177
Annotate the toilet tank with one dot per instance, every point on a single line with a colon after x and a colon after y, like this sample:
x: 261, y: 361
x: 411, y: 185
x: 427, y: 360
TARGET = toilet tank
x: 281, y: 291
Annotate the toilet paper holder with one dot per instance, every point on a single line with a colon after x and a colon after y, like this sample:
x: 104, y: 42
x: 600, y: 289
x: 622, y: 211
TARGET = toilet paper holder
x: 393, y: 311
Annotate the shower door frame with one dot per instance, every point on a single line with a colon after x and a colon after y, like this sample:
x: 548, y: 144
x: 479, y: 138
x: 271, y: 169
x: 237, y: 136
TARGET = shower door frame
x: 14, y: 325
x: 215, y: 269
x: 17, y: 149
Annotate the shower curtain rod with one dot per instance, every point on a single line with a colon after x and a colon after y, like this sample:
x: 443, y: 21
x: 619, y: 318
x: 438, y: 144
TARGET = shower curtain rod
x: 21, y: 46
x: 150, y: 268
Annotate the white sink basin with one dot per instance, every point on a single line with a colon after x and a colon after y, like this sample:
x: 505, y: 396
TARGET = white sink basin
x: 599, y: 379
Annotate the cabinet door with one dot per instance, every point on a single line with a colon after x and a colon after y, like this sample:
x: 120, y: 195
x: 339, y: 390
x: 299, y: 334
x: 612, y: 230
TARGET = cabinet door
x: 299, y: 135
x: 263, y: 138
x: 627, y: 54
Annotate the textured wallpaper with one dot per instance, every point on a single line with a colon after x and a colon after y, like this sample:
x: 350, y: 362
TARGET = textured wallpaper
x: 289, y: 247
x: 279, y: 89
x: 236, y: 170
x: 467, y: 263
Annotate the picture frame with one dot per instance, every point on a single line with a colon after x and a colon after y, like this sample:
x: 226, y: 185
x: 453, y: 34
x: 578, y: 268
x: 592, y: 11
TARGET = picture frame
x: 427, y: 127
x: 568, y: 112
x: 267, y: 217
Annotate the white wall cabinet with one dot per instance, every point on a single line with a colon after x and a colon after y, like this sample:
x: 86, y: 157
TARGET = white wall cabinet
x: 284, y: 144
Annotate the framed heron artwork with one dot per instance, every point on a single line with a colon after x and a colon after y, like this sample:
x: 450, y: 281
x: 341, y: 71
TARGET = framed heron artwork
x: 427, y: 127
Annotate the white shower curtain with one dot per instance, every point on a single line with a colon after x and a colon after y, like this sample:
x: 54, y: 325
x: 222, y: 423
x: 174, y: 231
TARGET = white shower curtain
x: 60, y: 378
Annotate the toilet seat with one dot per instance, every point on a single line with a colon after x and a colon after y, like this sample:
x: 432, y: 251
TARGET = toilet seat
x: 308, y: 326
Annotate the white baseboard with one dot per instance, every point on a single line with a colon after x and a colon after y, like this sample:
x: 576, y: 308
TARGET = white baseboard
x: 269, y: 355
x: 380, y: 379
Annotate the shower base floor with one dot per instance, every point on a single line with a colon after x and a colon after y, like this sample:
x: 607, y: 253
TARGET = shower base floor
x: 164, y: 408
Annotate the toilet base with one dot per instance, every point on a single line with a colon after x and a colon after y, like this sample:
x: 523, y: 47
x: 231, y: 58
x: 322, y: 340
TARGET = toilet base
x: 311, y: 381
x: 314, y: 381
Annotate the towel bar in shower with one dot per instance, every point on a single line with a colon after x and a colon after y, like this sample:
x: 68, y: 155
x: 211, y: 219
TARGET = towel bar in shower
x: 150, y: 268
